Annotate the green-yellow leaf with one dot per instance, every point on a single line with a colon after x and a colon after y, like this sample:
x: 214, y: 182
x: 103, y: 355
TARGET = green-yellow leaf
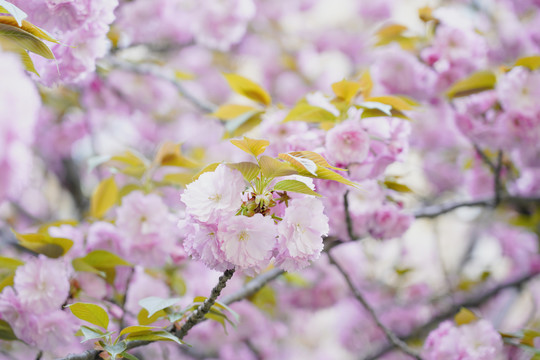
x: 115, y: 349
x: 248, y: 169
x: 232, y: 111
x: 91, y: 313
x: 170, y: 154
x: 529, y: 336
x: 7, y: 281
x: 366, y: 83
x: 130, y: 164
x: 91, y: 333
x: 8, y: 45
x: 465, y: 316
x: 10, y: 263
x: 44, y: 244
x: 6, y: 332
x: 154, y: 336
x: 208, y: 168
x: 295, y: 186
x: 346, y: 90
x: 103, y: 259
x: 26, y: 40
x: 26, y: 26
x: 82, y: 266
x: 272, y: 168
x: 327, y: 174
x: 309, y: 113
x: 243, y: 123
x: 254, y: 147
x: 300, y: 163
x: 477, y: 82
x: 394, y: 101
x: 103, y: 198
x: 144, y: 319
x: 153, y: 304
x: 248, y: 88
x: 181, y: 179
x: 397, y: 186
x: 530, y: 62
x: 136, y: 328
x: 316, y: 158
x: 8, y: 8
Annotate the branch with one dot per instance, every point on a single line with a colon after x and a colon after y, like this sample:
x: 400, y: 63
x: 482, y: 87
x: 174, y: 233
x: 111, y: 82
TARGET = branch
x: 160, y: 73
x: 472, y: 301
x: 389, y: 334
x: 436, y: 210
x: 198, y: 315
x: 348, y: 220
x: 253, y: 286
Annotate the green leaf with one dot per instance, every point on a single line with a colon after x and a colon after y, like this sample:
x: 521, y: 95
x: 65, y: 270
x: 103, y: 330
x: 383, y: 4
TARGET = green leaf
x: 248, y: 169
x: 254, y: 147
x: 154, y: 336
x: 6, y: 332
x: 116, y: 349
x: 103, y: 259
x: 393, y: 185
x: 8, y: 8
x: 529, y: 336
x: 80, y: 265
x: 232, y: 111
x: 144, y: 319
x: 248, y: 88
x: 316, y: 158
x: 26, y: 40
x: 9, y: 263
x: 371, y: 105
x: 300, y: 163
x: 394, y: 101
x: 129, y: 356
x: 170, y: 154
x: 31, y: 28
x: 530, y: 62
x: 243, y: 123
x: 295, y: 186
x: 92, y: 333
x: 219, y: 317
x: 91, y: 313
x: 136, y: 328
x: 296, y: 280
x: 130, y: 164
x: 272, y: 168
x: 465, y: 316
x: 181, y: 179
x: 218, y: 304
x: 208, y: 168
x: 7, y: 280
x: 44, y: 244
x: 326, y: 174
x: 8, y: 45
x: 477, y: 82
x: 346, y: 90
x: 103, y: 198
x: 153, y: 304
x: 309, y: 113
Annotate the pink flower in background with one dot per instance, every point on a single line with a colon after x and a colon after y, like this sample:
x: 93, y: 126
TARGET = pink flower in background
x: 300, y: 233
x: 214, y: 194
x: 347, y: 143
x: 42, y: 284
x: 519, y: 91
x: 389, y: 222
x: 247, y: 242
x: 105, y: 236
x: 478, y: 341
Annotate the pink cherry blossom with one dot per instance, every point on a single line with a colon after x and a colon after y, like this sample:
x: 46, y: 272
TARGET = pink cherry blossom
x: 347, y: 143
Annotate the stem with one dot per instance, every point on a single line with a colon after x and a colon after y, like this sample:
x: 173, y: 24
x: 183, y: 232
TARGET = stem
x: 389, y: 334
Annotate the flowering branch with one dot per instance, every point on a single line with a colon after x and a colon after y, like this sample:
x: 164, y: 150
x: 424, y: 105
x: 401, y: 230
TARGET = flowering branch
x: 146, y: 69
x: 473, y: 301
x: 389, y: 334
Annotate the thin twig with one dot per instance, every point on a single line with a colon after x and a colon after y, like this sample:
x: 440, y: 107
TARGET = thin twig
x: 472, y: 301
x: 389, y: 334
x: 497, y: 171
x: 147, y: 69
x: 485, y: 158
x: 348, y: 220
x: 253, y: 286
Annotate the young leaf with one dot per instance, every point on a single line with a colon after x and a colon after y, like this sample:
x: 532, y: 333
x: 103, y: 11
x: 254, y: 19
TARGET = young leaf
x: 181, y: 179
x: 129, y: 356
x: 103, y: 259
x: 103, y: 198
x: 130, y: 164
x: 393, y: 185
x: 243, y: 123
x: 248, y: 169
x: 7, y: 280
x: 372, y: 105
x: 6, y: 332
x: 316, y: 158
x: 346, y: 90
x: 248, y: 88
x: 116, y: 349
x: 31, y: 28
x: 153, y: 304
x: 464, y: 316
x: 232, y: 111
x: 366, y: 84
x: 170, y: 154
x: 9, y: 263
x: 254, y: 147
x: 530, y: 62
x: 136, y: 328
x: 8, y: 8
x: 300, y: 163
x: 477, y: 82
x: 154, y: 336
x: 326, y: 174
x: 208, y: 168
x: 272, y: 168
x: 394, y: 101
x: 144, y: 319
x: 92, y: 333
x: 26, y: 40
x: 295, y: 186
x: 309, y: 113
x: 44, y: 244
x: 9, y: 45
x: 91, y: 313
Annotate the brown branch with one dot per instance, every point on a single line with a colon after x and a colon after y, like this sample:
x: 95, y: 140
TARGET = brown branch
x: 358, y: 295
